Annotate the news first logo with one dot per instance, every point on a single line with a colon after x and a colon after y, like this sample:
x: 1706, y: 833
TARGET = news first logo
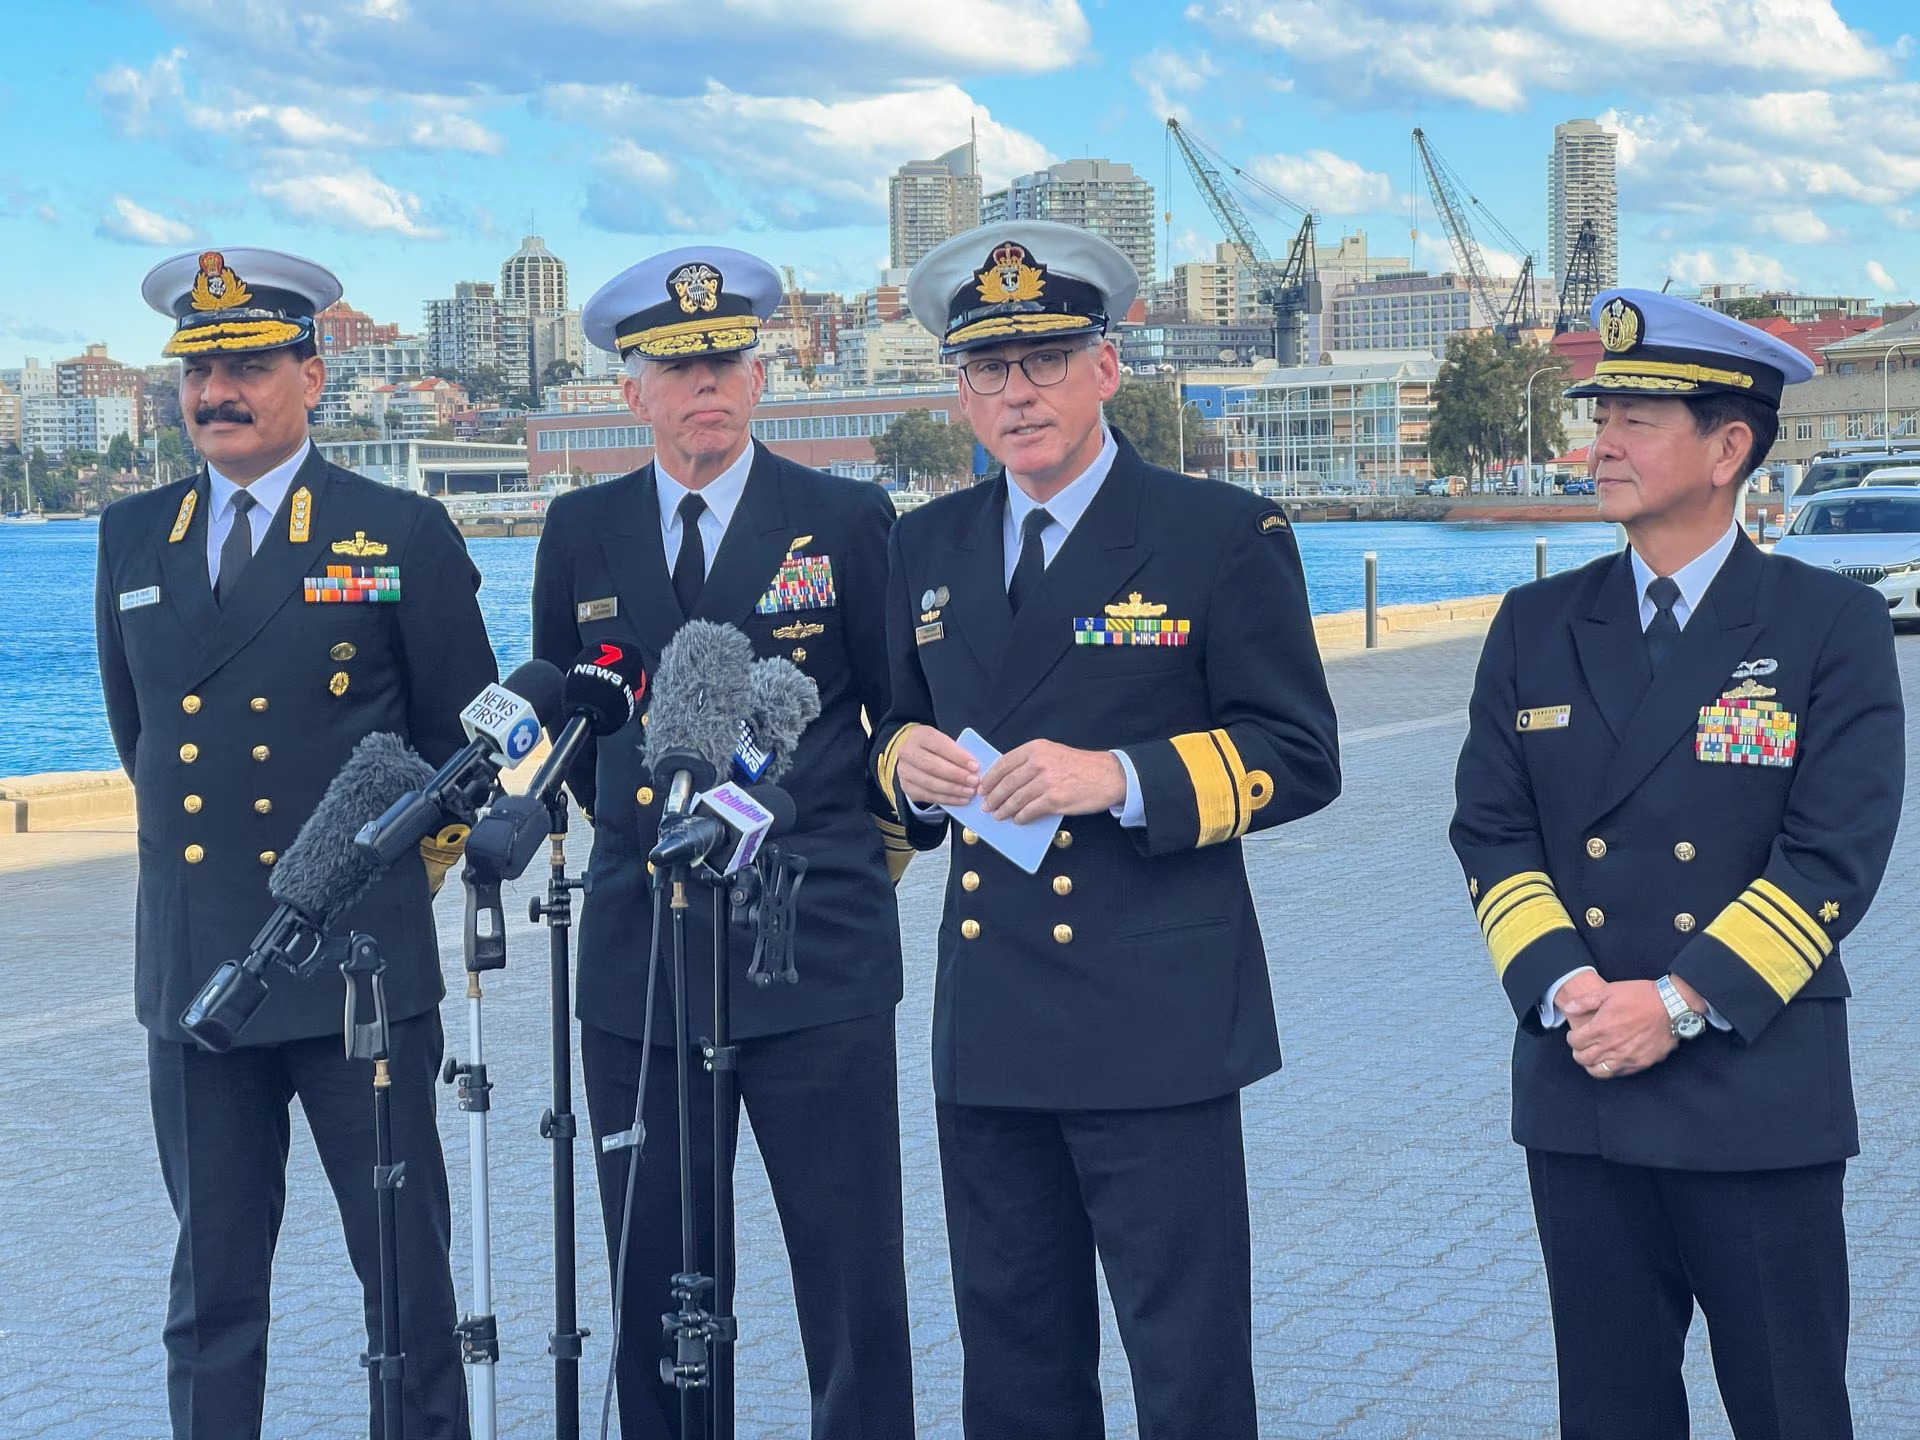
x: 504, y: 718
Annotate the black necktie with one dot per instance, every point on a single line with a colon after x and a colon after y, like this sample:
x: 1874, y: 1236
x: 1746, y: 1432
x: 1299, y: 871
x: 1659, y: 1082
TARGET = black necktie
x: 1033, y: 559
x: 237, y: 549
x: 1663, y: 630
x: 690, y: 565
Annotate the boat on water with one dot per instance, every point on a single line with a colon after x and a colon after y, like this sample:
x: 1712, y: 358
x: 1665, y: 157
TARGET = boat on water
x: 24, y: 517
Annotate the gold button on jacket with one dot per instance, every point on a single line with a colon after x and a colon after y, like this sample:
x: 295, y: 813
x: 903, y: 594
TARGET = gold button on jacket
x: 1597, y: 848
x: 261, y: 752
x: 1063, y: 884
x: 189, y: 752
x: 1683, y: 922
x: 1063, y: 934
x: 267, y: 857
x: 190, y: 704
x: 192, y: 804
x: 970, y: 880
x: 263, y: 806
x: 1684, y: 851
x: 970, y: 929
x: 1596, y: 917
x: 967, y: 837
x: 194, y: 854
x: 644, y: 795
x: 1063, y: 839
x: 258, y: 704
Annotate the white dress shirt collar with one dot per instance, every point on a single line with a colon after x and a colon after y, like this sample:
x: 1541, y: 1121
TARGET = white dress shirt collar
x: 722, y: 494
x: 1066, y: 508
x: 268, y: 491
x: 1693, y: 578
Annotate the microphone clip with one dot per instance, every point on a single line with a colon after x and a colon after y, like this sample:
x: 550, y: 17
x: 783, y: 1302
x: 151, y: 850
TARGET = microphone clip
x: 766, y: 896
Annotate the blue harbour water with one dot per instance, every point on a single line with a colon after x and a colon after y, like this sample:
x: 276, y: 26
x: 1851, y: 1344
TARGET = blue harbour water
x: 52, y: 717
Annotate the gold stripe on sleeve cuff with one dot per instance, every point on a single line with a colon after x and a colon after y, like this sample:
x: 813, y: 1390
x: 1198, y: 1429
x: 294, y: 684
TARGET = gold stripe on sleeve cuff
x: 1794, y: 921
x: 1766, y: 951
x: 1213, y: 791
x: 889, y: 760
x: 1517, y: 912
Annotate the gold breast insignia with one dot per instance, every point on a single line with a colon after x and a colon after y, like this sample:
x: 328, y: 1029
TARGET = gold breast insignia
x: 799, y: 630
x: 1134, y: 608
x: 359, y: 545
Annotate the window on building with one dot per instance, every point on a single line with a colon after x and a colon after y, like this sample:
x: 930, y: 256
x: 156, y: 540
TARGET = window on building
x: 1803, y: 428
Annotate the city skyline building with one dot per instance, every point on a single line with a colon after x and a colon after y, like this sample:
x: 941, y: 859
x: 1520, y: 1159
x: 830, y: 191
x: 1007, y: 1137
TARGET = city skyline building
x: 931, y: 201
x: 463, y: 330
x: 1097, y: 194
x: 534, y: 279
x: 1583, y: 186
x: 340, y: 327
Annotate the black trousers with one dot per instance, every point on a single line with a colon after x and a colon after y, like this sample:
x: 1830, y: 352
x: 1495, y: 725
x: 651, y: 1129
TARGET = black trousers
x: 826, y: 1116
x: 222, y: 1124
x: 1629, y: 1249
x: 1161, y: 1196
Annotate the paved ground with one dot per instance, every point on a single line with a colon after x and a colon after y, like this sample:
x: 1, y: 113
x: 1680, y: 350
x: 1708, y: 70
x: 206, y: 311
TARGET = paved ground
x: 1398, y: 1292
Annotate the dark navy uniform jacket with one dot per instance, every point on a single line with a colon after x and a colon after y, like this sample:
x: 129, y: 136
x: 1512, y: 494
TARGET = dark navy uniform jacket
x: 1728, y: 822
x: 233, y: 722
x: 1129, y: 972
x: 601, y: 574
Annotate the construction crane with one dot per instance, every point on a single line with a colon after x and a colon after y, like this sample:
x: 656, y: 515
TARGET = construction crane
x: 1582, y: 282
x: 1291, y: 288
x: 804, y: 353
x: 1516, y: 313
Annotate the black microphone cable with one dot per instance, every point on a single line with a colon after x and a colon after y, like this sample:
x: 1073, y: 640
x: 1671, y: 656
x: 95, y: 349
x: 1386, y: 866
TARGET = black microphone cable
x: 639, y: 1135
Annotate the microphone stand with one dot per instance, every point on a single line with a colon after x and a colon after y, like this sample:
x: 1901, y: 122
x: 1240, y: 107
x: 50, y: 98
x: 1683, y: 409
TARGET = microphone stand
x: 368, y: 1040
x: 558, y: 1125
x: 485, y: 949
x: 704, y: 1340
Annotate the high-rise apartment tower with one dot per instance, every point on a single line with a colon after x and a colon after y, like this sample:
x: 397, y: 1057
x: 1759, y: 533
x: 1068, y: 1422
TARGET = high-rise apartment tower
x: 1581, y: 187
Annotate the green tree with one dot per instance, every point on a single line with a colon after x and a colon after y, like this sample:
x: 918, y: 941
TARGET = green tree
x: 1480, y: 405
x: 353, y: 428
x: 918, y: 447
x: 1750, y: 307
x: 558, y: 372
x: 120, y: 452
x: 1146, y: 413
x: 483, y: 383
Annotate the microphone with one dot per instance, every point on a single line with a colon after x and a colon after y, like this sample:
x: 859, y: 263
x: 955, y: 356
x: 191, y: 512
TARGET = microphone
x: 503, y: 723
x: 728, y: 826
x: 700, y: 697
x: 323, y: 873
x: 782, y: 700
x: 598, y: 695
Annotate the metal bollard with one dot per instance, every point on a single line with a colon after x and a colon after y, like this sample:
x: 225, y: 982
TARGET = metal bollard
x: 1539, y: 557
x: 1373, y: 599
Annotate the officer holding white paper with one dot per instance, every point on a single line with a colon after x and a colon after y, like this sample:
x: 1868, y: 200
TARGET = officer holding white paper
x: 1137, y: 645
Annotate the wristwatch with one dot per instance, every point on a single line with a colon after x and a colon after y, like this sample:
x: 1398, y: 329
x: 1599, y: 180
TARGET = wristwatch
x: 1686, y: 1021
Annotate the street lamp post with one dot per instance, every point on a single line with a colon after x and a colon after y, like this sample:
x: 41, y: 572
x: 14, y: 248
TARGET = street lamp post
x: 1543, y: 370
x: 1886, y: 390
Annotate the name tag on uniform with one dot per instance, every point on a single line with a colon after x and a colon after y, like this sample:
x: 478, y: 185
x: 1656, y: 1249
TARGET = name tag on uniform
x: 596, y: 609
x: 134, y: 599
x: 925, y: 634
x: 1545, y: 717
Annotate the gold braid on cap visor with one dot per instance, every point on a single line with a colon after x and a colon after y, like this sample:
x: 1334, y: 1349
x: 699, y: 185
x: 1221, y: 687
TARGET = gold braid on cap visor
x: 1021, y: 325
x: 1666, y: 375
x: 234, y: 335
x: 691, y: 337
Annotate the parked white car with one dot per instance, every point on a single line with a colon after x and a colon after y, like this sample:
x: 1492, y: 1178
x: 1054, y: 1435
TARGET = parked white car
x: 1871, y: 534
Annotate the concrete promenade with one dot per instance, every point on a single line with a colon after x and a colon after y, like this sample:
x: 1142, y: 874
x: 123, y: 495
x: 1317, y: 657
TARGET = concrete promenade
x: 1398, y: 1289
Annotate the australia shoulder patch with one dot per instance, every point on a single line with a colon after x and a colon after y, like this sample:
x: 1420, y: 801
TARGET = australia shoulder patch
x: 1271, y: 522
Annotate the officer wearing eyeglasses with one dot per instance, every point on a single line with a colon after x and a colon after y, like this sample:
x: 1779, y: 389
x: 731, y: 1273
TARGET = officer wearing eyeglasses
x: 1137, y: 647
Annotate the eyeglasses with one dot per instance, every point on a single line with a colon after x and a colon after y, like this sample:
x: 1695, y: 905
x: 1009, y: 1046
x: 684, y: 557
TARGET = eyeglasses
x: 1041, y: 367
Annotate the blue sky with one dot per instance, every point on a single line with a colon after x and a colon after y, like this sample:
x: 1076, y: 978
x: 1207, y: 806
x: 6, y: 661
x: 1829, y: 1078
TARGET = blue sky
x: 410, y: 143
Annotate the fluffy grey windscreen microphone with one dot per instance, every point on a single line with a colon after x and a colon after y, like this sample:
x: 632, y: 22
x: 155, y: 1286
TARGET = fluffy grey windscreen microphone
x: 782, y: 701
x: 323, y: 871
x: 699, y: 693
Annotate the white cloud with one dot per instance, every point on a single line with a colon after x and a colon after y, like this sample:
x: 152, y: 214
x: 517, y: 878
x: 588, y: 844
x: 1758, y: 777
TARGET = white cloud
x: 347, y: 199
x: 437, y: 129
x: 1882, y: 281
x: 639, y: 191
x: 1325, y: 181
x: 136, y: 225
x: 1163, y: 74
x: 1495, y: 54
x: 667, y: 46
x: 790, y: 163
x: 1735, y: 265
x: 1800, y: 226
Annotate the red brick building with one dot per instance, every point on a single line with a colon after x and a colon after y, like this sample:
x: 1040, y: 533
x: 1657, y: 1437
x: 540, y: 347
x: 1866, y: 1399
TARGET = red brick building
x: 341, y: 327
